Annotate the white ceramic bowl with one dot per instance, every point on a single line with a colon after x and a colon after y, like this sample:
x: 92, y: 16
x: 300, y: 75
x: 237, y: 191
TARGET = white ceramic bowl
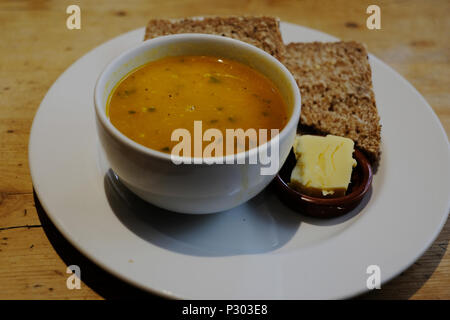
x: 192, y: 188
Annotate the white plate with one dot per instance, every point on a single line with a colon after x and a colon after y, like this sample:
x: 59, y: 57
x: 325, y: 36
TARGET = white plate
x: 260, y: 250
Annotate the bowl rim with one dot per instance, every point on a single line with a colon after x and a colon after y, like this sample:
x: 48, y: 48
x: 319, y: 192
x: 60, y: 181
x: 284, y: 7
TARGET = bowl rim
x: 355, y: 195
x: 100, y: 110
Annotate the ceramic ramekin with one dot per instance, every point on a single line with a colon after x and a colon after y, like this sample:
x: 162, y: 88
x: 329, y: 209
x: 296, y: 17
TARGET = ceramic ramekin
x: 192, y: 188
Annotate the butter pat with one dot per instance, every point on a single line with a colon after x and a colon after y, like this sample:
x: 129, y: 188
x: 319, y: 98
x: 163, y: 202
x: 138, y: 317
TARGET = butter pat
x: 324, y: 165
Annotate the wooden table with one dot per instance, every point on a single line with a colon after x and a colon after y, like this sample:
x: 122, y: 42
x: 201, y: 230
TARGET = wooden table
x: 36, y: 47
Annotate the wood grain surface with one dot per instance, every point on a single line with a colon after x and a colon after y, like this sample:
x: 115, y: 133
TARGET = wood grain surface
x: 36, y: 47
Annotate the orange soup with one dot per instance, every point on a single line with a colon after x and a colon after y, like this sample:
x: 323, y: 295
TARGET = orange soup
x: 171, y: 93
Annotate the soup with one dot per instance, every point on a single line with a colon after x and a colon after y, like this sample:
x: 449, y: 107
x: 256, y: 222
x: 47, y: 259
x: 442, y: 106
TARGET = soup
x: 161, y: 96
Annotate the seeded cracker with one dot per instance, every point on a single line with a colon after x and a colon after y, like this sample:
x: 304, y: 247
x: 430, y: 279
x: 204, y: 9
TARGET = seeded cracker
x: 262, y: 32
x: 335, y: 82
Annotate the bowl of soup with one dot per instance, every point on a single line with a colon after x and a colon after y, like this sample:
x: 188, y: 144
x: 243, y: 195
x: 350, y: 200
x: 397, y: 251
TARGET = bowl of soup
x: 196, y: 123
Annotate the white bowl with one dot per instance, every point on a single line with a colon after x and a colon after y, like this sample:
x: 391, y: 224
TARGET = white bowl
x: 193, y: 188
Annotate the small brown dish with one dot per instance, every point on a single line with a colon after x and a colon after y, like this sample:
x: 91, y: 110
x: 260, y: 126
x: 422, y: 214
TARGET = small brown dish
x: 325, y: 207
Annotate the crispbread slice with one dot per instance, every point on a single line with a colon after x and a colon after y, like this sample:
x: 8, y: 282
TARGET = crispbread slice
x: 262, y: 32
x: 335, y: 82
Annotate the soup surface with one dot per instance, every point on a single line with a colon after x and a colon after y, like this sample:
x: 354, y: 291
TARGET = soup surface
x: 171, y: 93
